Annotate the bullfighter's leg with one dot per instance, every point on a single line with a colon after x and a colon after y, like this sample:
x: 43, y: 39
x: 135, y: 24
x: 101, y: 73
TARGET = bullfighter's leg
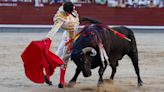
x: 101, y: 72
x: 62, y: 52
x: 63, y: 68
x: 46, y: 75
x: 47, y: 79
x: 72, y: 82
x: 134, y: 58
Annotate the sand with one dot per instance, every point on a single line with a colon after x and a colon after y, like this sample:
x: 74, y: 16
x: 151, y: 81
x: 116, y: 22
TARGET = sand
x: 151, y: 61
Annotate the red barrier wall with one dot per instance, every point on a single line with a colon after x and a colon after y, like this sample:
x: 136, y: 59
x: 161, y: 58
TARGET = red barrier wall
x: 26, y: 13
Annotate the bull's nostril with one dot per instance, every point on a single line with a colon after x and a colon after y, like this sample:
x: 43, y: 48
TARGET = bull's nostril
x: 88, y: 74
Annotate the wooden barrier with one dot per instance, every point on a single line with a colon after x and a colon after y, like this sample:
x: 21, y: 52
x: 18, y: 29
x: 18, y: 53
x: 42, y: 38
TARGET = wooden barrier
x: 26, y: 13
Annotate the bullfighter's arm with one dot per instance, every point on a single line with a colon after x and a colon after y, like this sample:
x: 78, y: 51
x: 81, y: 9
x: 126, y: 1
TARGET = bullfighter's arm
x: 55, y: 28
x: 58, y: 19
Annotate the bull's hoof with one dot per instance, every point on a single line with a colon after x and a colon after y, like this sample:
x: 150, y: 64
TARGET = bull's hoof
x: 47, y: 81
x: 71, y: 84
x: 100, y: 83
x: 140, y: 84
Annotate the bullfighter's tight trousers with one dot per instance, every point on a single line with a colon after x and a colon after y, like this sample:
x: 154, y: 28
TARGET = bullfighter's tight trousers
x: 62, y: 74
x: 61, y: 52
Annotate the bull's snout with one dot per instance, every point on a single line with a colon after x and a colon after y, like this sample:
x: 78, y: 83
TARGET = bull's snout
x: 87, y: 74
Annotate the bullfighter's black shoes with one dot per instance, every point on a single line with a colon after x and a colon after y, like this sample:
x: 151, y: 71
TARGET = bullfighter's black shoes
x: 47, y: 81
x: 61, y: 85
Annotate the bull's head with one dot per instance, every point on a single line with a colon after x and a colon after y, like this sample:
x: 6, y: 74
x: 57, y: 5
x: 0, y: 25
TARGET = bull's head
x: 85, y: 59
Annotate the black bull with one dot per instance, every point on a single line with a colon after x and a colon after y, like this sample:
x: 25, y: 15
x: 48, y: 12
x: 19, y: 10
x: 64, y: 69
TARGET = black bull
x: 115, y: 47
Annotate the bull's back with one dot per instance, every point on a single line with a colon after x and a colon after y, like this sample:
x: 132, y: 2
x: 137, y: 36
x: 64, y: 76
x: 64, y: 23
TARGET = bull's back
x: 119, y: 46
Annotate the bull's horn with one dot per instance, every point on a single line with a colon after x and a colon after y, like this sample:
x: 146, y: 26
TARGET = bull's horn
x: 89, y: 49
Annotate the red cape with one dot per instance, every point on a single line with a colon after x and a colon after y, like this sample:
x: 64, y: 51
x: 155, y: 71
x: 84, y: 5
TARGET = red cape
x: 37, y: 57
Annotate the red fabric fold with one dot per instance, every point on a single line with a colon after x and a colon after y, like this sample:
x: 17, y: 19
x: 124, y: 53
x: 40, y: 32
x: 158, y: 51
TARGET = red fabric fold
x: 36, y: 57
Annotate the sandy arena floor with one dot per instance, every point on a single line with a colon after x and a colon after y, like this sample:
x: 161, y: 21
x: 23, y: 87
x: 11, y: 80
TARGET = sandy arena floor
x: 151, y: 61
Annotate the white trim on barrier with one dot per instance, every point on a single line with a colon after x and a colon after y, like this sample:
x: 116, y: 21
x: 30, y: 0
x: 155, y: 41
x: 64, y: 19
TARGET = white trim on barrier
x: 24, y: 26
x: 49, y: 26
x: 141, y: 27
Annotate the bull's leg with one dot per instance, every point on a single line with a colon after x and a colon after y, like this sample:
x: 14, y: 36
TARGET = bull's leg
x: 134, y: 58
x: 140, y: 82
x: 72, y: 82
x: 101, y: 72
x: 114, y: 69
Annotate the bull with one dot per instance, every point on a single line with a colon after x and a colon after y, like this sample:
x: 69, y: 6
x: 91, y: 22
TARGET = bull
x: 86, y: 52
